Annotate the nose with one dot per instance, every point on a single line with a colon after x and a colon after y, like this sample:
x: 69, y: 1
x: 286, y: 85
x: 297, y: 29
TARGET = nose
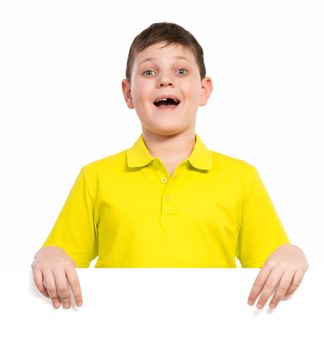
x: 165, y: 81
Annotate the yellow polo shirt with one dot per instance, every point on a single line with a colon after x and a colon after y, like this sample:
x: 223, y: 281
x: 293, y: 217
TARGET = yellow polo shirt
x: 129, y: 212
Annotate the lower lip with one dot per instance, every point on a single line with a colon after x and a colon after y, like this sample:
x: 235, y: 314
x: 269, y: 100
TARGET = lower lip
x: 164, y: 107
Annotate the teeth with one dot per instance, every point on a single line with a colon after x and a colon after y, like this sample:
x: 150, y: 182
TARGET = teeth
x: 165, y: 99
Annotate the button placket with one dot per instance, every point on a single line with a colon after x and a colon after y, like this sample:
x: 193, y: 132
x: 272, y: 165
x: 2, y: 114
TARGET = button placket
x: 167, y: 197
x: 167, y: 203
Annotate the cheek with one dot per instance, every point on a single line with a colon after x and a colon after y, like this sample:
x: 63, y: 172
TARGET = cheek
x: 191, y: 92
x: 141, y: 94
x: 193, y: 97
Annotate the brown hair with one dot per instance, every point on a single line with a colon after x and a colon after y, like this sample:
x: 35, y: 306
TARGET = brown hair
x: 171, y: 33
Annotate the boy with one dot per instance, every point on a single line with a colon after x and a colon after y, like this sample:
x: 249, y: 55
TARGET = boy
x: 168, y: 201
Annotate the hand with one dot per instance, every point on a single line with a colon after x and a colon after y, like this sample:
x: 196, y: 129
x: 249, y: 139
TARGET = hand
x: 282, y: 273
x: 52, y: 270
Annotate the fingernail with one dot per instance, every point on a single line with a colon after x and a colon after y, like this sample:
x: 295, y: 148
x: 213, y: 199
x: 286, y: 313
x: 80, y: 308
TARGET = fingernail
x: 250, y: 302
x: 79, y: 303
x: 66, y: 305
x: 259, y: 306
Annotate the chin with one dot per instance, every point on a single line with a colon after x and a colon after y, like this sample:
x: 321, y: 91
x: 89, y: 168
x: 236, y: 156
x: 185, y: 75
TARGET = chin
x: 166, y: 131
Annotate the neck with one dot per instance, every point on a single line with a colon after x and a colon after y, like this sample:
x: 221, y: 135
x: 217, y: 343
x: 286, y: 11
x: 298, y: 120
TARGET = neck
x: 171, y: 148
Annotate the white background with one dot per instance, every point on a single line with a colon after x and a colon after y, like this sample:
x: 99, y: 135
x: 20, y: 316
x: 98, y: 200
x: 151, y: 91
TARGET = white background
x: 61, y: 107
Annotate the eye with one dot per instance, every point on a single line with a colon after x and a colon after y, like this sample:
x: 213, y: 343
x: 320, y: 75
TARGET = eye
x: 149, y: 73
x: 182, y: 71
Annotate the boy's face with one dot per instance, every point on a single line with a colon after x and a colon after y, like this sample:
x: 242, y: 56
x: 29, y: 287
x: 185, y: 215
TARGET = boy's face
x: 166, y: 72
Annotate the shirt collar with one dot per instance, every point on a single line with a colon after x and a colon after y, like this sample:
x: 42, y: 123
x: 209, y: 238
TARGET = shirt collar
x: 200, y: 158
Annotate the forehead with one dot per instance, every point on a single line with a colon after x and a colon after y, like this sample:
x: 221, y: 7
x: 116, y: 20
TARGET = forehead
x: 159, y: 51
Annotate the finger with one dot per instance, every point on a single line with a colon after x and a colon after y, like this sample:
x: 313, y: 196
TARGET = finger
x: 269, y: 287
x: 259, y: 284
x: 298, y: 277
x: 282, y: 288
x: 49, y: 284
x: 75, y: 285
x: 62, y: 288
x: 38, y: 280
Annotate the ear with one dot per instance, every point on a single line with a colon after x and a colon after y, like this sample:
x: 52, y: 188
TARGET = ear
x: 127, y: 93
x: 206, y: 90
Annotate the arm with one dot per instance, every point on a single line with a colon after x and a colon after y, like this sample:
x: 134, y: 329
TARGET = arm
x: 71, y: 243
x: 263, y: 242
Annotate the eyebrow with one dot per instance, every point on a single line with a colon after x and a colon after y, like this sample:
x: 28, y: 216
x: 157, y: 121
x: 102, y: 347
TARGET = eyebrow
x: 154, y: 59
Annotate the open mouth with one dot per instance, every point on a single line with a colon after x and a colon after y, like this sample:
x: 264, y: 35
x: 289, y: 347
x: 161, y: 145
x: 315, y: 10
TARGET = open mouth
x: 166, y: 102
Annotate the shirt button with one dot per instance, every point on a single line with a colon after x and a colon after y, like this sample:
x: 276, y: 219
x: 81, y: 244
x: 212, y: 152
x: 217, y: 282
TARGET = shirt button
x: 168, y: 198
x: 164, y: 180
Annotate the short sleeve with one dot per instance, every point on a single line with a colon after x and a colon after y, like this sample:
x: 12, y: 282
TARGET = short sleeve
x: 75, y: 230
x: 261, y: 231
